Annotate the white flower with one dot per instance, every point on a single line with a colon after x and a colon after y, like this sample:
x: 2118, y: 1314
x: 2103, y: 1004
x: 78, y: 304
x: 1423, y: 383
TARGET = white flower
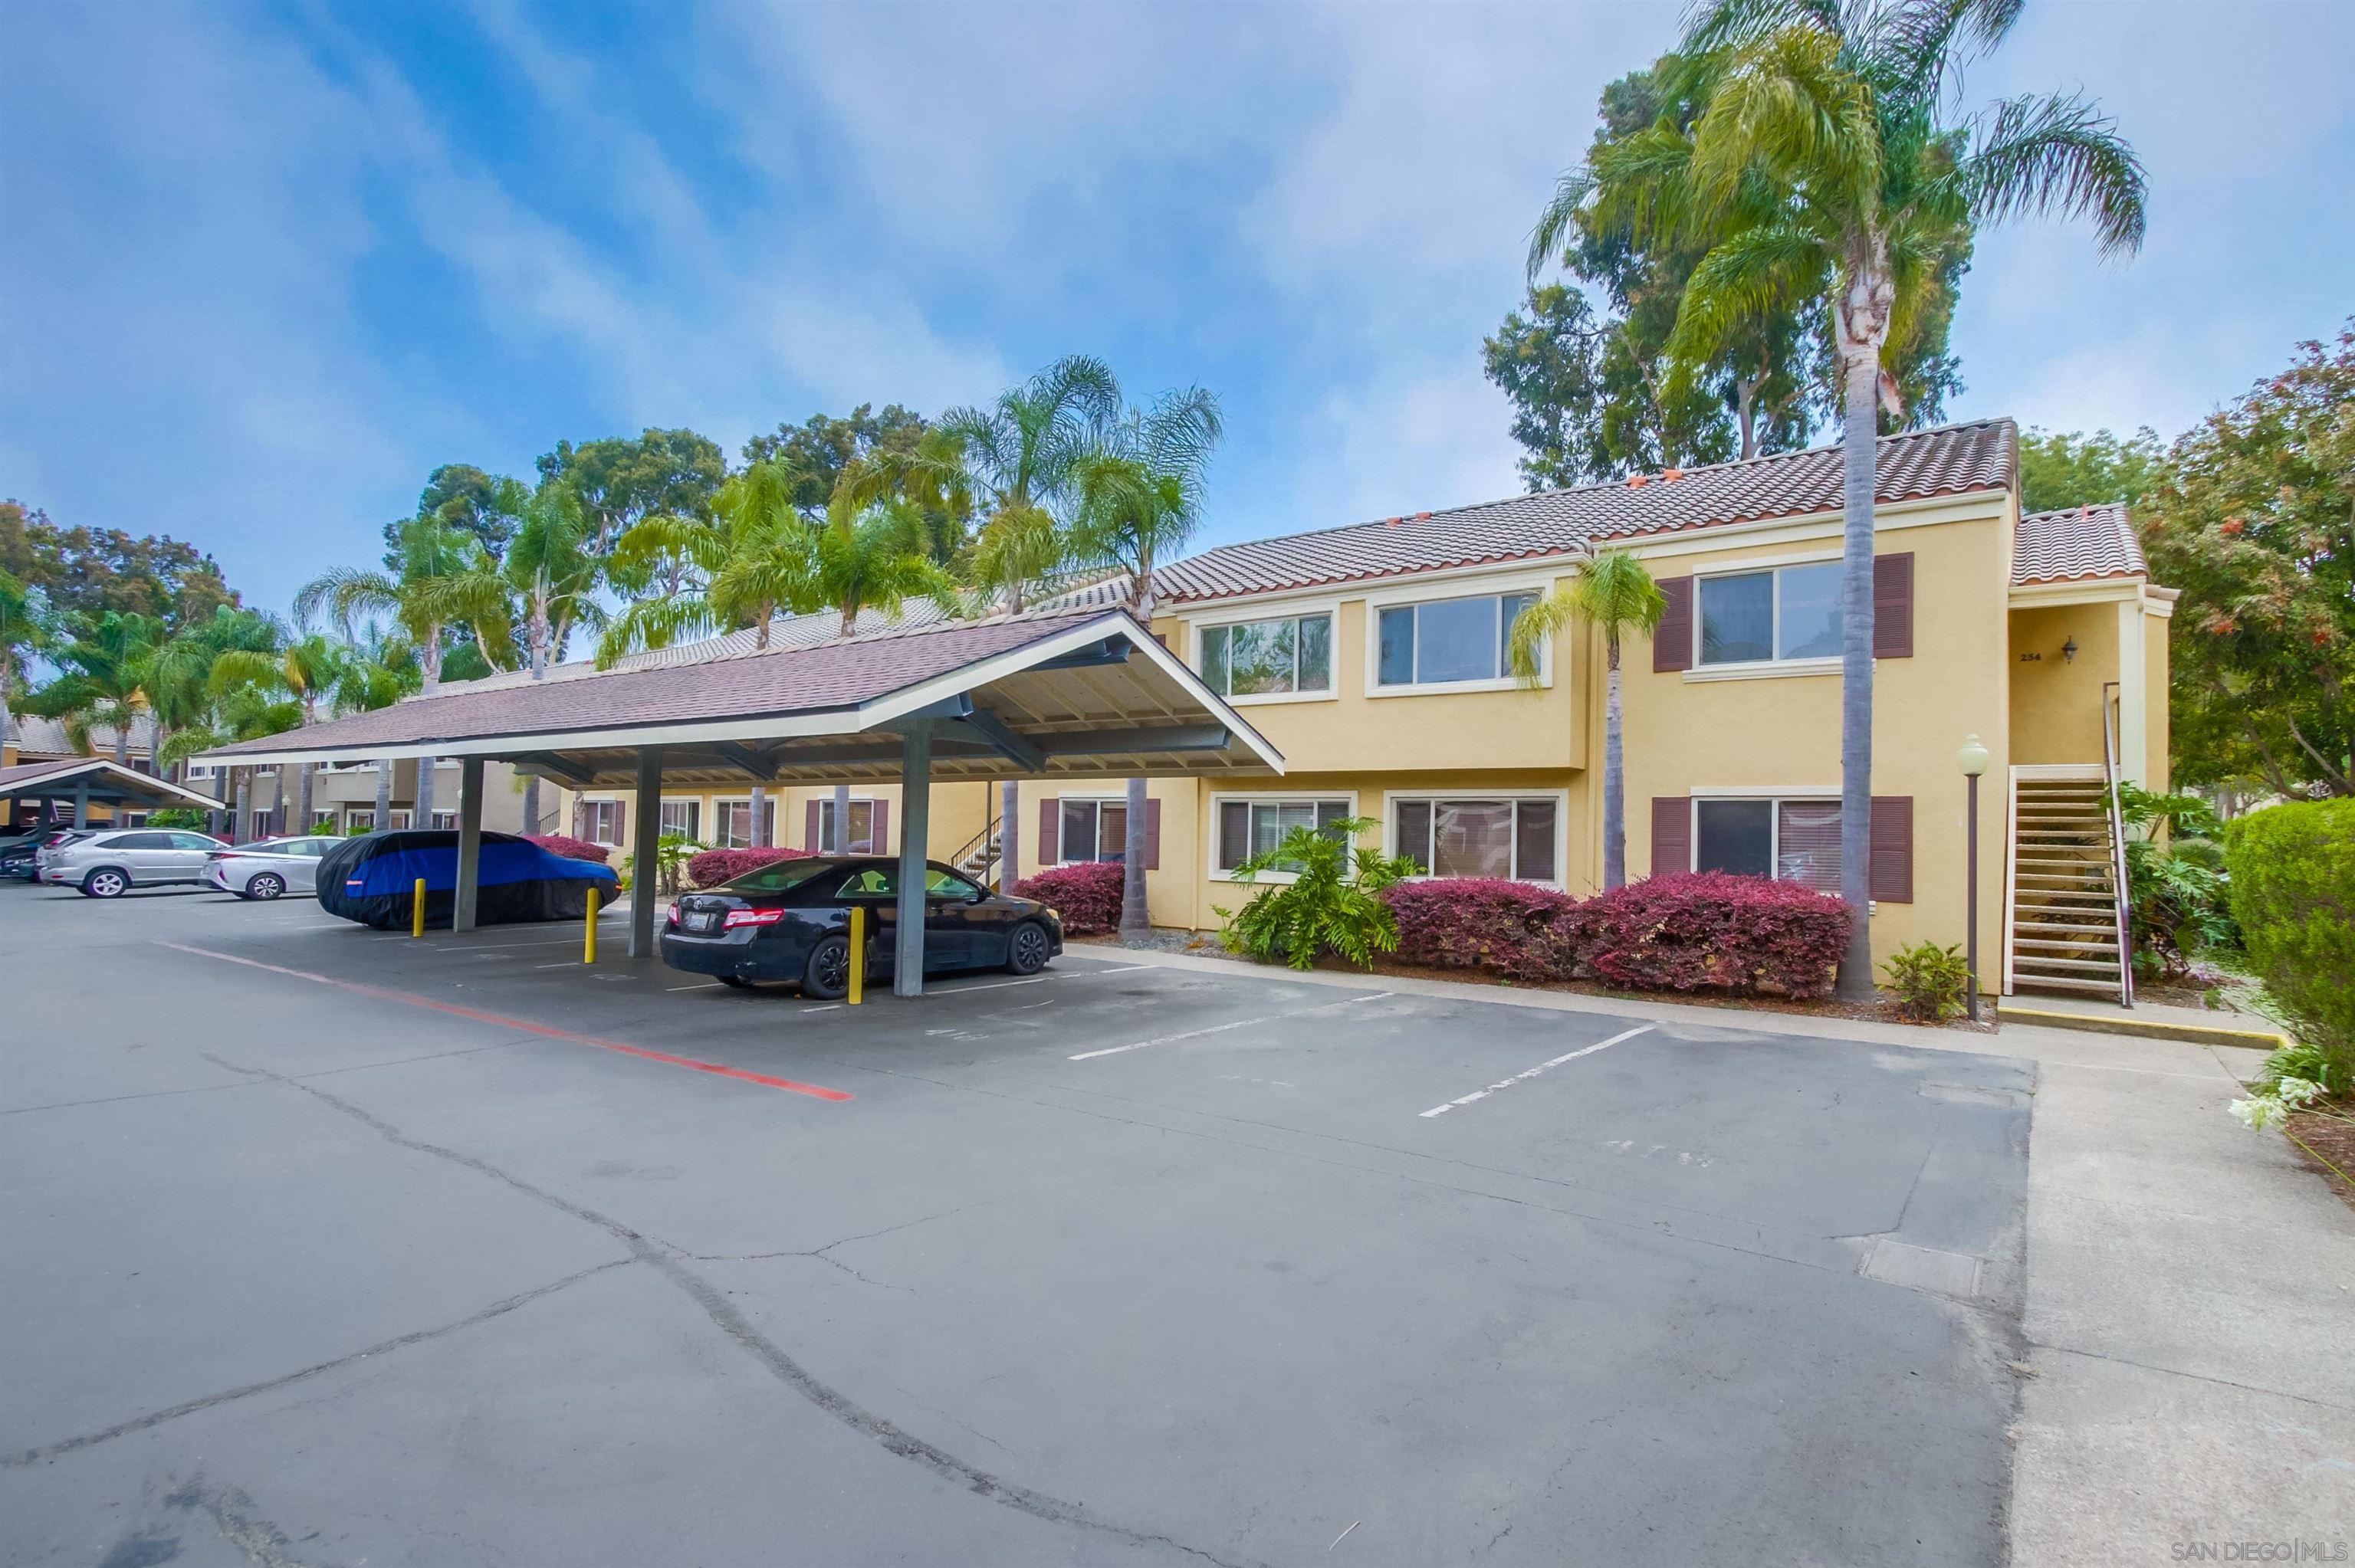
x: 2293, y: 1093
x: 2257, y: 1114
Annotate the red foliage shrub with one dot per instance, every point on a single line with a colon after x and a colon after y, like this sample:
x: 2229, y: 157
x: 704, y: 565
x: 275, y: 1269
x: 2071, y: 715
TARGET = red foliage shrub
x: 1710, y: 931
x: 572, y: 848
x: 1087, y: 896
x: 714, y: 866
x: 1516, y: 928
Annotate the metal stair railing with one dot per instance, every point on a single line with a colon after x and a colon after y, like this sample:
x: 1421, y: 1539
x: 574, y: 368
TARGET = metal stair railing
x: 2122, y: 906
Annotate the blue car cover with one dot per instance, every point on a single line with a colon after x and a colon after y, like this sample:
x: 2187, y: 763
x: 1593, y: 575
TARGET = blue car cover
x: 373, y: 879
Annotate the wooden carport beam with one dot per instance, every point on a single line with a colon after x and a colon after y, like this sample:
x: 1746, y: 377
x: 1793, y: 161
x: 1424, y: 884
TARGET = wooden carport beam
x: 555, y: 768
x: 759, y: 762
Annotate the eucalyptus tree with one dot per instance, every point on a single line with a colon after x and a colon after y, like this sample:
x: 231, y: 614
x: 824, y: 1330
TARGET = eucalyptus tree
x: 29, y: 627
x: 1016, y: 455
x: 446, y: 581
x: 1614, y: 593
x: 1140, y: 499
x: 1824, y: 163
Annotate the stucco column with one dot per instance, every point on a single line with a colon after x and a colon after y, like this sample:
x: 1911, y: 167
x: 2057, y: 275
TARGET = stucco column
x: 2134, y: 748
x: 470, y: 843
x: 915, y: 810
x: 646, y: 832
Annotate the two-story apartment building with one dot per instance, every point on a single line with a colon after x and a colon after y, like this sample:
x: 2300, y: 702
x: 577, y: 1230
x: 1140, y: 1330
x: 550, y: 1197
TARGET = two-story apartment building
x: 1373, y: 657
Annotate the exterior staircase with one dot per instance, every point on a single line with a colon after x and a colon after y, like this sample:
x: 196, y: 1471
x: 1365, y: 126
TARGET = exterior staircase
x: 979, y: 858
x: 2066, y: 921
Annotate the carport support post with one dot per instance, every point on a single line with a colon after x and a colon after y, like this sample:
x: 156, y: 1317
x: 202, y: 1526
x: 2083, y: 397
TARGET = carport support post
x: 470, y: 843
x: 645, y: 837
x: 915, y: 809
x: 81, y: 805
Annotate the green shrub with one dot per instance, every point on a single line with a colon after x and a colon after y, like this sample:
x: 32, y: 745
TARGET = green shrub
x: 180, y: 817
x: 2176, y: 888
x: 1331, y: 904
x: 2293, y: 891
x: 1931, y: 982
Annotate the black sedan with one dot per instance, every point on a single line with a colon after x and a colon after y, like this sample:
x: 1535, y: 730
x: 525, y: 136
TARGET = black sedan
x: 790, y: 921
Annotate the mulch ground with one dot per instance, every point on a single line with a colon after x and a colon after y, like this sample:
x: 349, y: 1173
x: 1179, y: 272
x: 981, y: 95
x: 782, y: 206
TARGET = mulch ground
x: 2324, y: 1142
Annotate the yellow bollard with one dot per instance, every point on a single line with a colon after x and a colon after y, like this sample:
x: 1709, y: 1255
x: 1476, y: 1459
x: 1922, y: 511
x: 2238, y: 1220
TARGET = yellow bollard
x: 417, y: 910
x: 858, y: 991
x: 588, y: 937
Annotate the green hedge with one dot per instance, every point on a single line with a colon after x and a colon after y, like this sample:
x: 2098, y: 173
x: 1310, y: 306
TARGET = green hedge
x: 2293, y: 871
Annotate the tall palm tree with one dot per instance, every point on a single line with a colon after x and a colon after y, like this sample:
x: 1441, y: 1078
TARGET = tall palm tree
x: 307, y: 669
x: 378, y: 670
x: 98, y: 680
x: 555, y: 576
x: 1615, y: 593
x: 1823, y: 163
x: 1140, y: 490
x: 445, y: 580
x: 1019, y: 454
x: 176, y: 678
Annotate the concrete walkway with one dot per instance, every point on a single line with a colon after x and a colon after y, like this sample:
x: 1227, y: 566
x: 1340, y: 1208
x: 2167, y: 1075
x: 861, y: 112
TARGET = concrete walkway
x: 2191, y: 1293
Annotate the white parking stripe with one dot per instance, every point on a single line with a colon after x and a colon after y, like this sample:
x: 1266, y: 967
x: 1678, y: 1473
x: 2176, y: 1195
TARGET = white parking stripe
x: 707, y: 985
x: 1533, y: 1072
x: 1172, y: 1039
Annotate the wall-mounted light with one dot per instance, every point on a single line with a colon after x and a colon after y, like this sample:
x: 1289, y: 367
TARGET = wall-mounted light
x: 2068, y: 651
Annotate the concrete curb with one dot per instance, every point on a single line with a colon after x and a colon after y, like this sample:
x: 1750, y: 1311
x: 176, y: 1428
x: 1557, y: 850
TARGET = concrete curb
x: 2144, y: 1028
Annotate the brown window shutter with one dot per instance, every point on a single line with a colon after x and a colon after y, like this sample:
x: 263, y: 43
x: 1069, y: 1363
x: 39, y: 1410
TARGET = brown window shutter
x: 880, y: 838
x: 1671, y: 828
x: 1050, y: 831
x: 1892, y: 849
x: 1672, y: 641
x: 1152, y: 834
x: 1892, y: 606
x: 809, y: 828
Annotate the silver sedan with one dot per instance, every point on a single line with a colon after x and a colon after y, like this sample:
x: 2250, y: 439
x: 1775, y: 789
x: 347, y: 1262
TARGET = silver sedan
x: 268, y: 868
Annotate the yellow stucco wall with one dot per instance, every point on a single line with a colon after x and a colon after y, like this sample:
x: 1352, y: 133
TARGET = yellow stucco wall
x: 2056, y: 703
x: 2156, y: 675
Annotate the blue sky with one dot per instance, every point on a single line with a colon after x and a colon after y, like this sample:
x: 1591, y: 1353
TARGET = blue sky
x: 263, y: 267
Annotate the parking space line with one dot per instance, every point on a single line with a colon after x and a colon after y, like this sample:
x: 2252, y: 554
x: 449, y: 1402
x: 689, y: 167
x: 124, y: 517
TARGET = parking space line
x: 546, y: 1030
x: 1172, y: 1039
x: 1533, y: 1072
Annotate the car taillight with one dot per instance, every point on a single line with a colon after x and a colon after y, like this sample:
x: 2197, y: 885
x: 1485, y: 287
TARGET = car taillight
x: 753, y: 918
x: 670, y: 917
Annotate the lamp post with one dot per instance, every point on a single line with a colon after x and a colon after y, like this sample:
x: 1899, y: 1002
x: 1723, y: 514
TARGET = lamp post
x: 1972, y: 758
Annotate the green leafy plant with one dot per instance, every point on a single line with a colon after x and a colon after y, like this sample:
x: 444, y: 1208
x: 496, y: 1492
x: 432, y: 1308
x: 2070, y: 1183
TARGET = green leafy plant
x: 2177, y: 885
x: 1331, y: 904
x: 672, y: 852
x: 1930, y: 981
x: 179, y: 817
x: 2293, y: 891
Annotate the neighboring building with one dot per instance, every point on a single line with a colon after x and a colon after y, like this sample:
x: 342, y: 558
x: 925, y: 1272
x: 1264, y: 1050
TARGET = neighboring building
x: 31, y: 739
x: 1372, y: 657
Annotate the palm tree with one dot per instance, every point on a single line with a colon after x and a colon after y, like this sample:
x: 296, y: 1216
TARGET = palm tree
x: 176, y: 676
x: 446, y: 581
x: 1140, y: 492
x: 378, y: 670
x: 871, y: 558
x: 555, y: 578
x: 97, y: 681
x: 308, y: 669
x: 1615, y: 593
x: 1019, y: 454
x: 1822, y: 165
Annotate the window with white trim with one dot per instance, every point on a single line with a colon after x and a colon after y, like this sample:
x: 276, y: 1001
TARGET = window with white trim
x: 682, y: 818
x: 1757, y: 618
x: 1447, y: 642
x: 360, y: 819
x: 736, y: 823
x: 1789, y: 840
x: 325, y: 822
x: 1091, y: 830
x: 1248, y: 827
x: 598, y: 821
x: 1286, y: 656
x: 446, y: 821
x: 402, y: 816
x: 862, y: 827
x: 1505, y: 837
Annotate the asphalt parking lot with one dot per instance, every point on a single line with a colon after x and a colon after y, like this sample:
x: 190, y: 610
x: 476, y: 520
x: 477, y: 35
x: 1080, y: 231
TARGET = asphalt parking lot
x: 324, y: 1246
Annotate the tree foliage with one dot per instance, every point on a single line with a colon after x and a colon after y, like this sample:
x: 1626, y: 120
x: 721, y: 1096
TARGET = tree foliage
x: 2060, y: 469
x: 620, y: 481
x: 2254, y: 520
x: 92, y: 572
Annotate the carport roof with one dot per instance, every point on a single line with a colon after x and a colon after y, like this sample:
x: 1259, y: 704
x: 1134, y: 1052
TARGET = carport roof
x: 1085, y: 692
x: 105, y: 780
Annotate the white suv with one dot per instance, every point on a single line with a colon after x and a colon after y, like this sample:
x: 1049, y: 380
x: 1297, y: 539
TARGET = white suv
x: 110, y: 864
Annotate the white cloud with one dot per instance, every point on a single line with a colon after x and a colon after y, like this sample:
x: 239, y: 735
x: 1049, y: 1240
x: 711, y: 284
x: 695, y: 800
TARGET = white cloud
x: 1416, y: 444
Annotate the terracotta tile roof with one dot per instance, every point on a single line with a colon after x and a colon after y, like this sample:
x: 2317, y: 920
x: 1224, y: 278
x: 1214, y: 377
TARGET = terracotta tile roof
x: 779, y: 682
x: 1948, y: 461
x: 2080, y: 542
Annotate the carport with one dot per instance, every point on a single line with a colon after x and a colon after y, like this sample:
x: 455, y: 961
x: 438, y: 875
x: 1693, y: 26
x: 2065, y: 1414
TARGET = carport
x: 1087, y: 693
x: 90, y: 781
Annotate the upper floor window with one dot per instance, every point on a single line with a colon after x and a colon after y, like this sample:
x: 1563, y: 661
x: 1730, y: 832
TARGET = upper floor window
x: 1448, y: 641
x: 1269, y: 658
x: 1791, y: 612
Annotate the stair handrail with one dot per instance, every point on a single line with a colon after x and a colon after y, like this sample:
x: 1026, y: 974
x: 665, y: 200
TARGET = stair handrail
x: 985, y: 842
x: 2121, y: 904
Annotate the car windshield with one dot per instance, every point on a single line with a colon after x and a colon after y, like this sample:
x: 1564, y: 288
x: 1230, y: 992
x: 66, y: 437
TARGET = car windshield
x: 781, y: 877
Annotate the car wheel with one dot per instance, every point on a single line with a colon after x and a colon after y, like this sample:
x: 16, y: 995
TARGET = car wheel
x: 1025, y: 950
x: 826, y: 976
x: 269, y: 885
x: 106, y: 883
x: 739, y: 982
